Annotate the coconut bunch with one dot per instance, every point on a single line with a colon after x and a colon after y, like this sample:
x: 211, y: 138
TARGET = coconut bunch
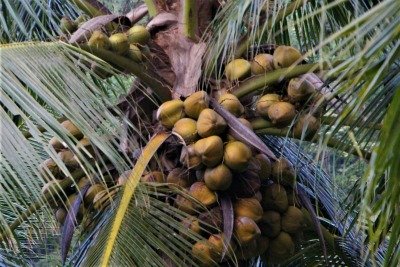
x: 98, y: 194
x: 211, y: 162
x: 285, y: 102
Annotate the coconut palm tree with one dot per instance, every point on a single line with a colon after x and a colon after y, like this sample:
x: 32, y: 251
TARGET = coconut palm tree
x: 81, y: 141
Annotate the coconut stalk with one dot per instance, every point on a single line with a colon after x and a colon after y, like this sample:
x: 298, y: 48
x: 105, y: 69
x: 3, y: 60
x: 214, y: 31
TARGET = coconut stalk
x: 190, y: 19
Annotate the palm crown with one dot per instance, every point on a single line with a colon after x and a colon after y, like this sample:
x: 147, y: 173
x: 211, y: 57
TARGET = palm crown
x: 121, y: 134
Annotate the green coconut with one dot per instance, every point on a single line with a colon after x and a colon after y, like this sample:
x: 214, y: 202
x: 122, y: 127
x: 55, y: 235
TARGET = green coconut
x: 99, y: 40
x: 232, y: 104
x: 265, y: 102
x: 218, y: 178
x: 119, y: 43
x: 67, y: 25
x: 262, y: 63
x: 210, y: 123
x: 210, y: 149
x: 189, y: 158
x: 138, y: 34
x: 238, y: 69
x: 237, y: 156
x: 134, y: 53
x: 187, y: 129
x: 195, y: 104
x: 285, y: 56
x: 170, y: 112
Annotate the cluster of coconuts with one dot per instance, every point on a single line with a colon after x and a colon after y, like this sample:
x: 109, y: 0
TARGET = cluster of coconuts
x: 280, y: 106
x: 212, y: 163
x: 98, y: 195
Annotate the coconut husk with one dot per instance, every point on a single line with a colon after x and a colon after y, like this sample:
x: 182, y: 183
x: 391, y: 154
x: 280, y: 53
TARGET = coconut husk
x: 203, y: 251
x: 247, y: 183
x: 99, y: 40
x: 60, y: 215
x: 134, y: 53
x: 306, y: 126
x: 91, y: 193
x: 184, y: 204
x: 138, y: 34
x: 190, y: 159
x: 119, y: 43
x: 212, y: 220
x: 300, y: 89
x: 265, y: 167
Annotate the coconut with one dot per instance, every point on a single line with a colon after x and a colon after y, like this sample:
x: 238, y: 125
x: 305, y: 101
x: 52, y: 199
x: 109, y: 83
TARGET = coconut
x: 134, y: 53
x: 285, y: 56
x: 258, y: 196
x: 61, y: 214
x: 262, y: 63
x: 217, y: 241
x: 186, y: 128
x: 68, y: 158
x: 281, y: 113
x: 292, y: 199
x: 67, y: 25
x: 246, y: 230
x: 119, y: 43
x: 283, y: 172
x: 238, y: 69
x: 170, y: 112
x: 190, y: 226
x: 292, y: 220
x: 123, y: 178
x: 210, y: 123
x: 203, y: 251
x: 218, y: 178
x: 138, y: 34
x: 53, y: 187
x: 270, y: 224
x: 248, y: 251
x: 203, y: 194
x: 103, y: 199
x: 184, y: 204
x: 195, y: 103
x: 69, y: 127
x: 210, y: 149
x: 265, y: 102
x: 281, y: 247
x: 81, y: 19
x: 237, y: 155
x: 262, y: 244
x: 248, y: 207
x: 99, y: 40
x: 51, y: 166
x: 85, y: 144
x: 300, y: 89
x: 92, y: 192
x: 179, y: 177
x: 275, y: 198
x: 232, y: 104
x: 153, y: 177
x: 71, y: 200
x: 189, y: 158
x: 265, y: 166
x: 306, y: 126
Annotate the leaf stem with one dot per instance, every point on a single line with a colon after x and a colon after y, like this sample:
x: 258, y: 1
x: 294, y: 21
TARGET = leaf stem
x: 151, y: 7
x: 190, y: 19
x: 91, y: 8
x: 261, y: 81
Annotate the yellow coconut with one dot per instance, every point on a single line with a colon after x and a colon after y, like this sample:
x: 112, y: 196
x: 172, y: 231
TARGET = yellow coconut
x: 281, y: 113
x: 170, y: 112
x: 184, y: 204
x: 138, y: 34
x: 246, y: 230
x: 203, y: 194
x: 49, y: 165
x: 292, y: 220
x: 265, y: 102
x: 187, y: 129
x: 69, y: 127
x: 210, y: 149
x: 270, y: 224
x: 134, y: 53
x: 195, y: 103
x: 262, y: 63
x: 99, y: 40
x: 248, y: 207
x: 210, y: 123
x: 237, y: 69
x: 300, y: 89
x: 281, y: 247
x: 85, y: 144
x: 275, y: 198
x: 189, y: 158
x: 285, y: 56
x: 265, y: 166
x: 153, y: 177
x: 306, y: 126
x: 237, y: 155
x: 283, y: 172
x: 119, y: 43
x: 69, y: 158
x: 232, y: 104
x: 218, y: 178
